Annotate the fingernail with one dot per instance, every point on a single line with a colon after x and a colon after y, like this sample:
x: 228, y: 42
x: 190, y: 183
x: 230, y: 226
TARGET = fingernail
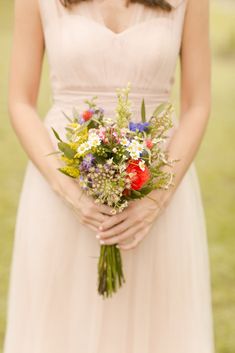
x: 102, y: 242
x: 97, y: 236
x: 100, y: 228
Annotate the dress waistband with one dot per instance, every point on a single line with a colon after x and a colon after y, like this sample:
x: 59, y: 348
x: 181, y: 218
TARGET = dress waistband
x: 70, y: 98
x: 64, y: 102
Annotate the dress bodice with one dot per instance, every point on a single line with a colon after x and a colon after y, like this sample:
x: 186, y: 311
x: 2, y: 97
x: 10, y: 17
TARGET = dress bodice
x: 85, y: 56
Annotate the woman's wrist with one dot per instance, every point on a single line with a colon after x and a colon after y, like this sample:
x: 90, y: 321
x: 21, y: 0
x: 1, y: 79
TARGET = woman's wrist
x: 161, y: 198
x: 66, y: 187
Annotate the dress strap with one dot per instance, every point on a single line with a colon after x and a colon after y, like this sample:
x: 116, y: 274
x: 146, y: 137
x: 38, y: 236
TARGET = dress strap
x: 50, y: 10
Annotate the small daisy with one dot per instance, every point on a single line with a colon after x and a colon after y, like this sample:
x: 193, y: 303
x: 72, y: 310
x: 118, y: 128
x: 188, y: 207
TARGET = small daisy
x: 124, y: 141
x: 94, y: 140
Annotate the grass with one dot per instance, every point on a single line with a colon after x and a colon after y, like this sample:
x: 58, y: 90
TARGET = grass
x: 215, y: 164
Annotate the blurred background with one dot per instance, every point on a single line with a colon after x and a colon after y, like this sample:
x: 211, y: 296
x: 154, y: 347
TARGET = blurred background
x: 215, y: 163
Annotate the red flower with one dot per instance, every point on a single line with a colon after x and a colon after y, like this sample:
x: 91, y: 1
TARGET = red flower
x: 87, y: 114
x: 139, y: 177
x: 149, y: 143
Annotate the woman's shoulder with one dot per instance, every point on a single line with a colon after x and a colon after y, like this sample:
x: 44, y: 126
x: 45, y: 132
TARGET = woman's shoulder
x: 49, y: 10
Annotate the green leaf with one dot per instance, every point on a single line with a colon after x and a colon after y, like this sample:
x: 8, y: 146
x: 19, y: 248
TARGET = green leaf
x: 67, y: 117
x: 136, y: 194
x: 69, y: 129
x: 56, y: 134
x: 55, y: 152
x: 143, y: 111
x: 84, y: 125
x: 66, y: 149
x: 90, y: 102
x: 146, y: 190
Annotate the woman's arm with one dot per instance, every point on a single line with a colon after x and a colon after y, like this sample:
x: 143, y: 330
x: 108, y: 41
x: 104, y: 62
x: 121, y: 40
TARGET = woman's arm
x: 195, y: 97
x: 25, y: 72
x: 195, y: 110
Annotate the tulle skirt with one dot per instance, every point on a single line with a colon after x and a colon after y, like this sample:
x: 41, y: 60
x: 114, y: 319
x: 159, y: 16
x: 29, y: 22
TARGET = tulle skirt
x: 53, y: 304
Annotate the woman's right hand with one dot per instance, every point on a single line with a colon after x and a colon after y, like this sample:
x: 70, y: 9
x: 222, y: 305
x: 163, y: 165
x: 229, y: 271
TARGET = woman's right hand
x: 88, y: 212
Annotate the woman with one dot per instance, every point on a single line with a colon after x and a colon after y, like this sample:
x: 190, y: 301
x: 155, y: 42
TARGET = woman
x: 94, y: 47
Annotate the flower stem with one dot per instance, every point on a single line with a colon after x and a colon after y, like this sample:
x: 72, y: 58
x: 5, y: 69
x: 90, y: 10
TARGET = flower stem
x: 109, y: 270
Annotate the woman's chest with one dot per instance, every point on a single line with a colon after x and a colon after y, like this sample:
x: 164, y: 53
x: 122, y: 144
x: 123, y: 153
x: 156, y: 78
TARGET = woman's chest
x: 81, y: 46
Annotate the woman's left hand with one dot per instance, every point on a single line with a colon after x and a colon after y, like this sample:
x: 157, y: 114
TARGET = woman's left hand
x: 133, y: 222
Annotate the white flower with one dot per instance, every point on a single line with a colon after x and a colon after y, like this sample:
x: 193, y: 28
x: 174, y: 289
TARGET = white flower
x: 107, y: 121
x: 134, y: 155
x: 135, y: 148
x: 142, y: 165
x: 124, y: 141
x: 93, y: 139
x: 110, y: 161
x: 83, y: 148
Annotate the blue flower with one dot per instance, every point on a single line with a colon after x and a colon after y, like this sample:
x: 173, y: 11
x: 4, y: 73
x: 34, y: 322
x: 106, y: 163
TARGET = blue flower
x: 138, y: 126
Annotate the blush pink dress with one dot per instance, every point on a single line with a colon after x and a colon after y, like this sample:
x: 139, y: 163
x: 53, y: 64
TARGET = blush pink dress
x: 165, y: 304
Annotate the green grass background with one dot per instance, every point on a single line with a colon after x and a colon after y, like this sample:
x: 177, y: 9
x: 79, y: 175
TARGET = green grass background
x: 214, y: 161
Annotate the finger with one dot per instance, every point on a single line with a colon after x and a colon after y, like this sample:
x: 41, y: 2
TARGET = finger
x: 87, y: 220
x: 100, y: 217
x: 104, y: 209
x: 112, y: 221
x: 123, y: 236
x: 92, y: 212
x: 99, y: 212
x: 130, y: 245
x: 116, y: 229
x: 92, y: 227
x: 139, y: 236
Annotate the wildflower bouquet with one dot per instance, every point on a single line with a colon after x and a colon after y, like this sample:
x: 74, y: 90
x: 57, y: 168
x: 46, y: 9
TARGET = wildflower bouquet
x: 115, y: 161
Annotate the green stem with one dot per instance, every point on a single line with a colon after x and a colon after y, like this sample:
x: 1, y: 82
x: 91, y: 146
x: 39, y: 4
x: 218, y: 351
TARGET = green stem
x: 109, y: 270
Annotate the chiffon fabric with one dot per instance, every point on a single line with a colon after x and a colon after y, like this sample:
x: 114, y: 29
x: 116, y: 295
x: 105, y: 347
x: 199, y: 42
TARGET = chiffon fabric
x: 53, y: 304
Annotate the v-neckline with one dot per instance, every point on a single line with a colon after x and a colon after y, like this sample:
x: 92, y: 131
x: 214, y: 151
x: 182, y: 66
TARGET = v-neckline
x: 117, y: 34
x: 101, y: 23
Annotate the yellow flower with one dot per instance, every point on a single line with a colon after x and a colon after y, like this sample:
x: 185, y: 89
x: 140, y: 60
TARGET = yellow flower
x: 67, y: 160
x: 74, y: 125
x: 71, y: 171
x: 83, y: 135
x: 74, y: 145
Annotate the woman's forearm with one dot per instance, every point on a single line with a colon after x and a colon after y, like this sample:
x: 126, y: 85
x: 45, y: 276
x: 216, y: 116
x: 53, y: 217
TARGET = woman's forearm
x: 184, y: 145
x: 36, y: 142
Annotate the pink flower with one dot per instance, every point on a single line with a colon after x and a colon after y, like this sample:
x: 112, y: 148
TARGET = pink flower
x: 149, y: 143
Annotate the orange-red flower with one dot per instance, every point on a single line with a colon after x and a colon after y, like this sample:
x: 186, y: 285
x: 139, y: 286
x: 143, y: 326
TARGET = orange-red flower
x: 137, y: 176
x: 87, y: 114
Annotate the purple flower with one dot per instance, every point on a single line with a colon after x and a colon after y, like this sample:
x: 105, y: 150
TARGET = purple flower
x: 87, y: 161
x: 138, y: 126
